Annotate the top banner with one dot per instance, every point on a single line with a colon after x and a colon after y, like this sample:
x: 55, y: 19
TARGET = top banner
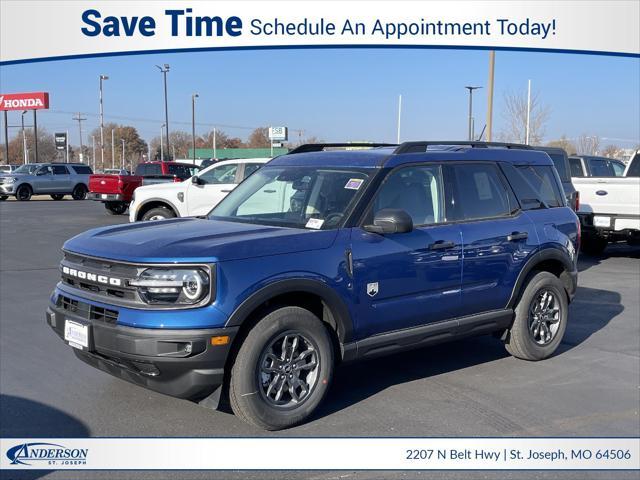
x: 44, y: 30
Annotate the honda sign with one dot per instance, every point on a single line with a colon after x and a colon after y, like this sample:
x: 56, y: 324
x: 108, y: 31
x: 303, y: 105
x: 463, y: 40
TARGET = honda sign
x: 24, y: 101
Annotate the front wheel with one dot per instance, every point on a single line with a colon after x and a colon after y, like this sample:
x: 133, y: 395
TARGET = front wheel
x: 79, y: 192
x: 283, y: 369
x: 24, y: 193
x: 116, y: 208
x: 159, y: 213
x: 540, y: 318
x: 57, y: 196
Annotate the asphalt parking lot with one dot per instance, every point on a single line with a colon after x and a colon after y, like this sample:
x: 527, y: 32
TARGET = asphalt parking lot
x: 468, y: 388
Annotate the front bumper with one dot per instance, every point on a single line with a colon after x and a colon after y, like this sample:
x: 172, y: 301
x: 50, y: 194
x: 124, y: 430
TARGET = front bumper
x: 180, y: 363
x: 7, y: 189
x: 105, y: 197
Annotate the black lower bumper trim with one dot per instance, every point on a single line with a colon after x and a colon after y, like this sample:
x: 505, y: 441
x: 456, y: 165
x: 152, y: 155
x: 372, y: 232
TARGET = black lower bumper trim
x: 180, y: 363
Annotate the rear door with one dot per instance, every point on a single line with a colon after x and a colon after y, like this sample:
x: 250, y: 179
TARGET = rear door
x: 497, y: 236
x: 214, y: 185
x: 408, y: 279
x: 61, y: 179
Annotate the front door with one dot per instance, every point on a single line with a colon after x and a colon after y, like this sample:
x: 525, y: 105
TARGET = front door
x: 408, y: 279
x: 215, y: 184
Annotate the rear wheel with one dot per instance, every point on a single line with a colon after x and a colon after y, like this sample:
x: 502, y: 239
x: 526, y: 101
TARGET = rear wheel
x: 116, y: 208
x: 540, y: 318
x: 283, y: 369
x: 57, y: 196
x: 23, y: 193
x: 159, y: 213
x: 79, y: 192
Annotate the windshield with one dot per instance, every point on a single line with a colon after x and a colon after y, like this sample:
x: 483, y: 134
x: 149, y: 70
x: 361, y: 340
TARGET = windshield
x: 298, y: 197
x: 28, y: 168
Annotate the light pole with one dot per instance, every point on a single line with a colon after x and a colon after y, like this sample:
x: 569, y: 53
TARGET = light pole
x: 93, y: 141
x: 123, y: 153
x: 164, y: 71
x: 471, y: 89
x: 113, y: 149
x: 102, y: 78
x: 24, y: 140
x: 193, y: 126
x: 161, y: 145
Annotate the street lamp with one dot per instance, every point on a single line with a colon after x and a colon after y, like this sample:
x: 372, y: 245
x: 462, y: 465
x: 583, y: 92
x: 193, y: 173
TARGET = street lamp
x: 161, y: 146
x: 123, y: 153
x: 24, y: 140
x: 164, y: 71
x: 102, y: 78
x: 471, y: 89
x: 193, y: 125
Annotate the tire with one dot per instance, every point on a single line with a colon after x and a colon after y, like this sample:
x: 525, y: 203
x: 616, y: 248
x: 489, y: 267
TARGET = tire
x: 159, y: 213
x: 57, y: 196
x: 250, y: 395
x: 116, y: 208
x: 79, y: 192
x: 23, y: 193
x: 3, y: 197
x: 524, y: 340
x: 594, y: 244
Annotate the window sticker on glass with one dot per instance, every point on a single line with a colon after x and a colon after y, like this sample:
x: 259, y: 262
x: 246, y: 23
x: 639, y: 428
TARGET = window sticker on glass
x: 354, y: 183
x: 315, y: 223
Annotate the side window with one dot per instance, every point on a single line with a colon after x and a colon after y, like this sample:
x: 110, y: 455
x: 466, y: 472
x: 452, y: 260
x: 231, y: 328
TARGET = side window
x: 141, y: 170
x: 481, y: 193
x: 416, y: 190
x: 544, y: 181
x: 618, y: 168
x: 154, y: 169
x: 249, y: 168
x: 60, y: 170
x: 576, y: 167
x: 221, y: 174
x: 600, y: 168
x: 82, y: 169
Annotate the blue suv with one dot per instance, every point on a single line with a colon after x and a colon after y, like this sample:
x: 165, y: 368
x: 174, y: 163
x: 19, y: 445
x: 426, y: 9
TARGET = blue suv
x: 321, y: 257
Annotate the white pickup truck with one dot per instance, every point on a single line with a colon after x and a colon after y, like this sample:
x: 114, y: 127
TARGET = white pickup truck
x: 609, y: 208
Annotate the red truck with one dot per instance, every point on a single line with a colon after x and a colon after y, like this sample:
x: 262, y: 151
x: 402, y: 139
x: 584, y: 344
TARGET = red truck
x: 116, y: 191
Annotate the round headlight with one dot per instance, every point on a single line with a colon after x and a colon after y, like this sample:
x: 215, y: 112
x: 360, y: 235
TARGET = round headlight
x: 192, y: 285
x: 172, y: 286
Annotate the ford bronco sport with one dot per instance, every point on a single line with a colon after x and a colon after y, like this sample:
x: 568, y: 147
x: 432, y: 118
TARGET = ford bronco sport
x: 320, y: 258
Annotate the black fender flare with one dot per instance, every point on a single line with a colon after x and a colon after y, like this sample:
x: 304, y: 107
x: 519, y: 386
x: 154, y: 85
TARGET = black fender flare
x: 329, y: 297
x: 536, y: 259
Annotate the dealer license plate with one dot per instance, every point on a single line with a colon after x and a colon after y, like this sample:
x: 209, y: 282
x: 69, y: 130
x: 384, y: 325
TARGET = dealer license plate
x: 601, y: 221
x: 76, y: 334
x: 105, y: 196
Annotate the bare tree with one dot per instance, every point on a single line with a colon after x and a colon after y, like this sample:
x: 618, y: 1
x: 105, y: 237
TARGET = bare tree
x: 259, y: 138
x: 587, y: 144
x: 515, y: 116
x: 564, y: 143
x: 611, y: 151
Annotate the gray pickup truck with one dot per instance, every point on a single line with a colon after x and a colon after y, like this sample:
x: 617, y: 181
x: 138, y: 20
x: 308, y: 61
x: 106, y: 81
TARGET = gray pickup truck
x: 55, y: 179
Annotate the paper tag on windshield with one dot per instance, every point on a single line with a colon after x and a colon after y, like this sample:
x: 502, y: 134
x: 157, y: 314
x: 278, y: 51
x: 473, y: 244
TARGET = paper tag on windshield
x: 354, y: 183
x: 315, y: 223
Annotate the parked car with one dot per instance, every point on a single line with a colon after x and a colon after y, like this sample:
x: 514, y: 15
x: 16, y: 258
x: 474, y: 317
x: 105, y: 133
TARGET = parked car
x: 55, y: 179
x: 610, y: 208
x: 591, y: 166
x: 7, y: 168
x: 197, y: 197
x: 116, y: 191
x: 320, y: 258
x: 561, y: 162
x: 116, y: 171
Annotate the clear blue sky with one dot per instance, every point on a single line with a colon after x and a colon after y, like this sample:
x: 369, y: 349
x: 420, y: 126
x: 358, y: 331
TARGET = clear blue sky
x: 337, y: 94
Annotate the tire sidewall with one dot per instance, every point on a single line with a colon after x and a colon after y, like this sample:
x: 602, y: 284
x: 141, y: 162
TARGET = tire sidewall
x: 157, y: 211
x: 541, y: 280
x: 26, y: 188
x: 79, y: 192
x: 245, y: 371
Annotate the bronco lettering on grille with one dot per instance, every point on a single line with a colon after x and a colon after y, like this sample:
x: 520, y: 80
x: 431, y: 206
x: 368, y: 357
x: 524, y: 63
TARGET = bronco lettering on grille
x: 92, y: 277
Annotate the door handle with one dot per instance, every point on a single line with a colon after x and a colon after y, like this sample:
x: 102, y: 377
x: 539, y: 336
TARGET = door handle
x: 441, y: 245
x: 225, y: 191
x: 517, y: 236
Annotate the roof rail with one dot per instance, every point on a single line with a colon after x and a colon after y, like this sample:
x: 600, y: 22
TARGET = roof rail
x: 420, y: 147
x: 319, y: 147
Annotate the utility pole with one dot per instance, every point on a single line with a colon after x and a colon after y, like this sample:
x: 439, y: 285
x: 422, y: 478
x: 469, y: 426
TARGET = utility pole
x: 67, y: 152
x: 161, y: 144
x: 102, y: 78
x: 113, y: 150
x: 193, y: 126
x: 526, y: 135
x: 215, y: 154
x: 471, y: 89
x: 399, y: 116
x: 492, y: 65
x: 93, y: 140
x: 79, y: 119
x: 6, y: 137
x: 164, y: 71
x: 24, y: 140
x: 122, y: 154
x: 35, y: 134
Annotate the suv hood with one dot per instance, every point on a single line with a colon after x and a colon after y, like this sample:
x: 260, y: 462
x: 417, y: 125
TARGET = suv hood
x: 195, y: 240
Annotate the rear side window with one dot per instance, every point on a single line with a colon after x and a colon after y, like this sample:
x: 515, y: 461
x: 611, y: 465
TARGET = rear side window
x: 60, y: 170
x: 559, y: 161
x: 600, y: 168
x: 575, y: 164
x: 82, y: 169
x: 618, y: 168
x: 544, y: 182
x: 141, y: 170
x: 249, y: 168
x: 481, y: 193
x: 181, y: 171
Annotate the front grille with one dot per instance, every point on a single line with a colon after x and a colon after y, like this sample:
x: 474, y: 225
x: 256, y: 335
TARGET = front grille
x: 86, y: 310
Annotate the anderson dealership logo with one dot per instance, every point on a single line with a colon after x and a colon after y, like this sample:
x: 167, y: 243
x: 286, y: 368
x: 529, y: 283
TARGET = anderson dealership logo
x: 46, y: 454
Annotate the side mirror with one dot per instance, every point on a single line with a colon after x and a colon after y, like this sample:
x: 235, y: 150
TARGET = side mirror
x: 390, y: 220
x: 196, y: 180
